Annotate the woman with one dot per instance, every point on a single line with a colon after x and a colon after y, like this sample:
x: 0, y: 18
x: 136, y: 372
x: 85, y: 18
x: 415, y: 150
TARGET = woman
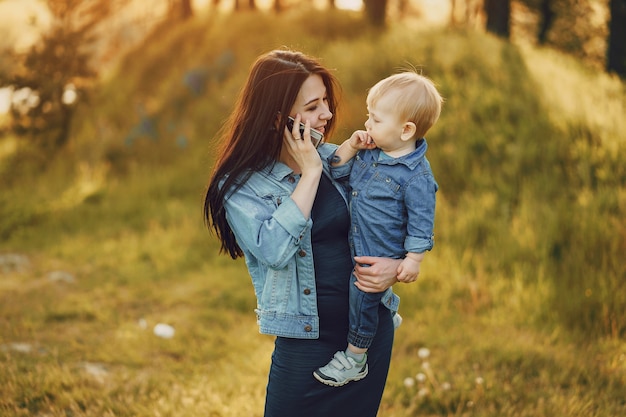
x: 271, y: 200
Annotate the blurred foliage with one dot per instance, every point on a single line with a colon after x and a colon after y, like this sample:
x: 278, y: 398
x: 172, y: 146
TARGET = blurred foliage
x: 575, y: 27
x: 54, y: 72
x: 59, y: 66
x: 502, y: 164
x: 524, y: 288
x: 49, y: 70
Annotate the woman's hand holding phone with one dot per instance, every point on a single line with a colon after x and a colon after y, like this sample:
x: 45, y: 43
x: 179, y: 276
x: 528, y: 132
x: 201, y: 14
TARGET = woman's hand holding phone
x: 300, y: 147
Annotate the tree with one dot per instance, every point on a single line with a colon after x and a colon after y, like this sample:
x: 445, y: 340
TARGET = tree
x: 238, y: 5
x: 376, y: 11
x: 278, y: 6
x: 547, y: 18
x: 617, y: 38
x: 576, y: 27
x: 55, y: 72
x: 498, y: 17
x: 181, y: 9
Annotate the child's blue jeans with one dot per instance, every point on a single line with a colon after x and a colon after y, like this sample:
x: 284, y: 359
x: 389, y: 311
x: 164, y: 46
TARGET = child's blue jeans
x: 363, y: 316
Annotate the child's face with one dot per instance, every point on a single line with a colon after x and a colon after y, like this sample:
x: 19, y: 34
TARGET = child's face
x: 383, y: 124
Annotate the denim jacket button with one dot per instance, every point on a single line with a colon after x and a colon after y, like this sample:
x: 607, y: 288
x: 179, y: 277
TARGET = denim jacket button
x: 308, y: 328
x: 307, y: 291
x: 302, y: 253
x: 291, y: 179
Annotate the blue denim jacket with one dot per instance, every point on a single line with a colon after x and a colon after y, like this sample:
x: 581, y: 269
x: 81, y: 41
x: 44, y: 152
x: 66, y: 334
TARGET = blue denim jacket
x: 392, y: 203
x: 276, y: 241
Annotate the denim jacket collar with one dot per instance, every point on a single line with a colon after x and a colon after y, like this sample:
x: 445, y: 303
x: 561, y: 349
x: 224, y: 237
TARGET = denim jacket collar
x: 277, y: 170
x: 410, y: 160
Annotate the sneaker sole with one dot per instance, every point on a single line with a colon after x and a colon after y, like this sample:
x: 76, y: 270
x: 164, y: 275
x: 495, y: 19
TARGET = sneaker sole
x: 332, y: 383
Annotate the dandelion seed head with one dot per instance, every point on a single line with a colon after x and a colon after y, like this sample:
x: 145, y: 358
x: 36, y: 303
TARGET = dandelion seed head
x: 409, y: 382
x: 420, y: 377
x: 69, y: 95
x: 480, y: 380
x: 425, y: 365
x: 423, y: 353
x: 423, y: 392
x: 446, y: 386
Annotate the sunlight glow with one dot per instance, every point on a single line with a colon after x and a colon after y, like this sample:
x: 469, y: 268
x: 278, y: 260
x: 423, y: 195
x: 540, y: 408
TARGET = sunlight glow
x: 267, y: 4
x: 349, y: 4
x: 5, y: 99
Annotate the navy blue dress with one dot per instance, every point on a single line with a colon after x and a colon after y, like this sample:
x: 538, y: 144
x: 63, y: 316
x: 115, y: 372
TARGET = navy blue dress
x: 292, y: 391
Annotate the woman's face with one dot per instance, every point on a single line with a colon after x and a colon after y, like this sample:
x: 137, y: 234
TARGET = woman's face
x: 312, y: 103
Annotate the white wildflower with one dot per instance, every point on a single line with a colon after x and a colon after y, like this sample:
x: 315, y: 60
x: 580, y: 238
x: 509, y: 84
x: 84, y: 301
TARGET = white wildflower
x: 164, y: 330
x: 423, y: 353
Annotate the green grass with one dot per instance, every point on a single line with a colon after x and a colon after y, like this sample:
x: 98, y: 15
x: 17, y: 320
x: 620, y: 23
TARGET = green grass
x: 521, y: 303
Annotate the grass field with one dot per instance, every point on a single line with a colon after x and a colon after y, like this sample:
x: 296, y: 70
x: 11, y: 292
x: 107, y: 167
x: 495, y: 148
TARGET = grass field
x: 520, y: 309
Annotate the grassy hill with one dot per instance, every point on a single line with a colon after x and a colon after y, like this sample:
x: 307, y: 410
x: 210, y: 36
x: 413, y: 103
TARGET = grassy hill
x: 521, y: 304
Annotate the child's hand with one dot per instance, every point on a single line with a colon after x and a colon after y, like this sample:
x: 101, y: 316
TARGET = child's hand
x: 361, y: 140
x: 409, y: 269
x: 349, y: 148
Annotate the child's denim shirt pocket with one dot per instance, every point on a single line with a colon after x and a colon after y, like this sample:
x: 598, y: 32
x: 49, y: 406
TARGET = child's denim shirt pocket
x: 383, y: 188
x: 379, y: 198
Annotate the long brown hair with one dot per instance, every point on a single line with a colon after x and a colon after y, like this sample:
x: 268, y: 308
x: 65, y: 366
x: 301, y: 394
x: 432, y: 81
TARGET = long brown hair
x: 251, y: 138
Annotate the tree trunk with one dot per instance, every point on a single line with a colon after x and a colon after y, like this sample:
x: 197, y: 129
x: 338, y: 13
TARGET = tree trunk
x: 181, y: 9
x: 616, y: 61
x: 185, y: 9
x: 376, y: 10
x: 498, y: 17
x: 278, y: 7
x: 547, y: 18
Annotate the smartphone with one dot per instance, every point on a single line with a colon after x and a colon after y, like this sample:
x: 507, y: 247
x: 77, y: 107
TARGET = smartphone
x: 316, y: 136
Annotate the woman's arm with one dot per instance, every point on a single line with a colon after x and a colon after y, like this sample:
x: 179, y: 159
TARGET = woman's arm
x: 305, y: 156
x: 271, y: 233
x: 378, y: 276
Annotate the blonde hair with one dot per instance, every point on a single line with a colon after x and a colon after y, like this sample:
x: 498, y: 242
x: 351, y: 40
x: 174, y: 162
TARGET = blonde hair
x: 417, y: 99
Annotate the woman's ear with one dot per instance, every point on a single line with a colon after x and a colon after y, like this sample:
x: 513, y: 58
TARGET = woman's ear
x: 408, y: 131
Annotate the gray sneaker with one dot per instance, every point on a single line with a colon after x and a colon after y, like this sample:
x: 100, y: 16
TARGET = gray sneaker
x: 341, y: 369
x: 397, y: 320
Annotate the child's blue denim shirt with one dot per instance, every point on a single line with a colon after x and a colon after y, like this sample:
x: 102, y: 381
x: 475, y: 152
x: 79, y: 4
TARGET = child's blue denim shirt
x: 276, y: 241
x: 392, y: 203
